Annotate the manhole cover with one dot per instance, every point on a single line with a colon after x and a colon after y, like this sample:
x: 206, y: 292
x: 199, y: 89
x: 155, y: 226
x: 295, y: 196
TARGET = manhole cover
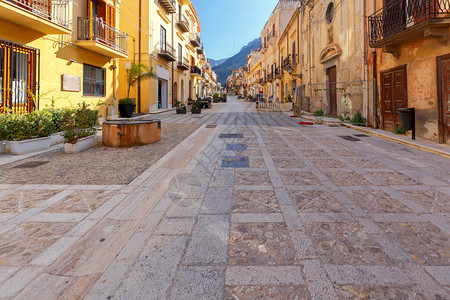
x: 349, y: 138
x: 333, y: 126
x: 31, y: 164
x: 231, y: 136
x: 361, y: 135
x: 211, y: 126
x: 237, y: 147
x: 235, y: 162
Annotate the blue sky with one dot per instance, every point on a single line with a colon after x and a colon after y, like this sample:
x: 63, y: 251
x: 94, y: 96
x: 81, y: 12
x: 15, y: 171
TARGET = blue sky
x: 229, y: 25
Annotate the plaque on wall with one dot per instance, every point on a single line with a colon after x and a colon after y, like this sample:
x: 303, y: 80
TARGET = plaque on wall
x: 71, y: 83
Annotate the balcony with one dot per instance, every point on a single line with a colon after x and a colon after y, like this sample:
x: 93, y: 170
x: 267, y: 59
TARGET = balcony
x: 97, y: 36
x: 45, y: 16
x: 196, y: 71
x: 272, y: 38
x: 263, y: 48
x: 183, y: 63
x: 200, y: 50
x: 183, y: 23
x: 279, y: 73
x: 401, y: 21
x: 168, y: 6
x: 195, y: 40
x: 165, y: 51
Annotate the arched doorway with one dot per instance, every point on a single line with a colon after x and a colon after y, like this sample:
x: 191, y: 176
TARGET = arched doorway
x: 175, y: 93
x: 182, y: 92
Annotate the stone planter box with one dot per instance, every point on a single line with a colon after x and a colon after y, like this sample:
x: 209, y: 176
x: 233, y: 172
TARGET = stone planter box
x: 2, y: 147
x: 195, y: 111
x: 181, y: 111
x: 57, y: 138
x: 28, y: 146
x: 80, y: 145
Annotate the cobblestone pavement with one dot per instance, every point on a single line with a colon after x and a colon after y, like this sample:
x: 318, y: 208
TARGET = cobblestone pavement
x: 312, y: 216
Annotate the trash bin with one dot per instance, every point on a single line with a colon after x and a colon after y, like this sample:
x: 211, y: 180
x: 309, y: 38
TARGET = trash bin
x: 408, y: 117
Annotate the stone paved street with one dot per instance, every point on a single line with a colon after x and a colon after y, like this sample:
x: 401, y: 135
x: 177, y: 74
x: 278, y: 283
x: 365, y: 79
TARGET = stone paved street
x: 312, y: 216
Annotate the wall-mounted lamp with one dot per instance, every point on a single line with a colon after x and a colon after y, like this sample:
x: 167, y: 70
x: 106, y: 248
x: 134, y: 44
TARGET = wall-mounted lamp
x: 71, y: 61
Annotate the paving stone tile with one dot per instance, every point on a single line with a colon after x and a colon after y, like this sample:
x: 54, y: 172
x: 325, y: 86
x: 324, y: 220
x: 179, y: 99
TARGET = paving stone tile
x: 250, y: 153
x: 287, y: 162
x: 24, y: 200
x: 278, y: 291
x: 319, y: 285
x: 252, y: 178
x: 256, y: 162
x: 222, y: 178
x: 208, y: 241
x: 440, y: 273
x: 263, y: 275
x: 393, y: 178
x: 187, y: 208
x: 255, y: 202
x: 325, y: 217
x: 327, y: 163
x: 431, y: 200
x: 257, y: 218
x: 199, y: 283
x: 303, y: 144
x: 347, y: 178
x: 259, y: 244
x: 20, y: 280
x: 281, y: 152
x: 175, y: 226
x: 366, y: 163
x: 26, y: 241
x: 218, y: 201
x: 378, y: 292
x: 315, y: 201
x: 155, y: 270
x: 376, y: 201
x: 348, y: 153
x: 372, y: 275
x: 424, y: 242
x: 345, y: 243
x: 299, y: 178
x: 81, y: 202
x: 315, y: 153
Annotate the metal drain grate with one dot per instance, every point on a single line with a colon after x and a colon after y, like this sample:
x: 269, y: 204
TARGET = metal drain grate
x: 31, y: 165
x: 349, y: 138
x: 237, y: 147
x: 211, y: 126
x: 361, y: 135
x: 235, y: 162
x: 333, y: 126
x: 231, y: 136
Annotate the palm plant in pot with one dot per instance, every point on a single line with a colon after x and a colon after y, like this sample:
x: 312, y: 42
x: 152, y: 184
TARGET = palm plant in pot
x: 196, y: 108
x: 135, y: 74
x: 180, y: 108
x: 80, y: 129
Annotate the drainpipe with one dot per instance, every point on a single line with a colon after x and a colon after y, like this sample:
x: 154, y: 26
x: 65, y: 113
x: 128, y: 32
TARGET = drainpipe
x: 140, y: 49
x: 364, y: 64
x: 173, y: 29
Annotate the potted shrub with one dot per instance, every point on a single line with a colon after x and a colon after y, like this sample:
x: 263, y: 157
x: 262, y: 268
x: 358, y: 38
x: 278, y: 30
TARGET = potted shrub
x: 224, y: 97
x: 126, y: 107
x: 135, y: 74
x: 29, y: 132
x: 59, y: 117
x: 80, y: 129
x: 196, y: 108
x: 180, y: 108
x: 216, y: 98
x: 2, y: 133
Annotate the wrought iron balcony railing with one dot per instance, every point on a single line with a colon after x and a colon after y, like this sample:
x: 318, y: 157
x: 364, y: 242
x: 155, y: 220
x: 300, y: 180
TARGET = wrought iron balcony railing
x: 95, y: 29
x: 165, y: 51
x: 183, y: 63
x: 400, y: 15
x: 183, y: 23
x: 196, y: 70
x: 56, y: 11
x: 195, y: 40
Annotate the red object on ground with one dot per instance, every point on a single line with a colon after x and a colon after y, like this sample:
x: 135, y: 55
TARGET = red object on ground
x: 294, y: 116
x: 306, y: 123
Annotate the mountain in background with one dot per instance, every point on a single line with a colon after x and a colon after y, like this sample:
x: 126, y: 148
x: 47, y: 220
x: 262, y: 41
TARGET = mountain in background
x: 226, y: 68
x: 215, y: 63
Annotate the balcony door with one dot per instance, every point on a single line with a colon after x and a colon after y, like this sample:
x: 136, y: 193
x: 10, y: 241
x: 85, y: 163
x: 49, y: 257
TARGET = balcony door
x: 443, y: 75
x: 163, y: 39
x: 393, y: 96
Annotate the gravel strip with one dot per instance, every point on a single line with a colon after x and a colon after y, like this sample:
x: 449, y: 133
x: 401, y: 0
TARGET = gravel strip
x: 99, y: 165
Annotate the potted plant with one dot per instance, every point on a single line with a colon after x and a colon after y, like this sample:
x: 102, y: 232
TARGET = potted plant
x: 216, y: 98
x: 59, y: 116
x: 29, y: 132
x: 126, y: 107
x: 80, y: 129
x: 209, y: 103
x: 2, y: 133
x: 196, y: 108
x: 224, y: 97
x: 180, y: 108
x: 135, y: 74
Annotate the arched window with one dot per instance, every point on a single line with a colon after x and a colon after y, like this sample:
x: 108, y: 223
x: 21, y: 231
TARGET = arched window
x: 330, y: 13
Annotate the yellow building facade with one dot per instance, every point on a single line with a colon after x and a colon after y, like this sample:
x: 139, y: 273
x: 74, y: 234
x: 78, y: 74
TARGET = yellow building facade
x: 59, y: 54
